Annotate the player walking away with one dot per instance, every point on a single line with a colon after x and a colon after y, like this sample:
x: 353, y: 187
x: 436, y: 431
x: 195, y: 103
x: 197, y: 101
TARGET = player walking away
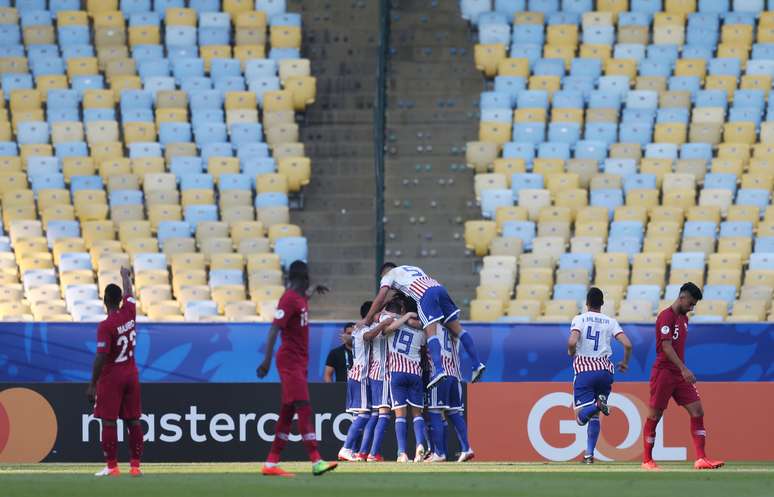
x: 590, y: 347
x: 446, y: 399
x: 115, y: 386
x: 434, y: 305
x: 359, y: 393
x: 292, y: 319
x: 405, y: 345
x: 670, y: 377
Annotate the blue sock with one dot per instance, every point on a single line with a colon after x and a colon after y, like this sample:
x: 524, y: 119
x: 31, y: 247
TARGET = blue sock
x: 419, y: 430
x: 592, y: 435
x: 584, y: 415
x: 430, y: 432
x: 400, y: 433
x: 461, y: 428
x: 368, y: 434
x: 443, y: 437
x: 470, y: 348
x: 434, y: 347
x: 354, y: 430
x: 437, y: 431
x: 381, y: 427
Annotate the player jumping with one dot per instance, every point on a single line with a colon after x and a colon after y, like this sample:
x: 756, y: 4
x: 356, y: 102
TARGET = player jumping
x: 115, y: 386
x: 589, y: 345
x: 670, y: 377
x: 292, y: 319
x: 446, y: 399
x: 434, y: 306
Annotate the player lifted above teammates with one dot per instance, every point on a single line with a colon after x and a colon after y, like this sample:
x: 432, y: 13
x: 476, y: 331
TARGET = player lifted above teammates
x: 292, y: 319
x: 115, y: 384
x: 670, y: 377
x: 589, y: 345
x: 434, y: 305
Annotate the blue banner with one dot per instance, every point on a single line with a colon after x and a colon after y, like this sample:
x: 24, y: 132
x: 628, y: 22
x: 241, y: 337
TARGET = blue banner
x: 229, y: 353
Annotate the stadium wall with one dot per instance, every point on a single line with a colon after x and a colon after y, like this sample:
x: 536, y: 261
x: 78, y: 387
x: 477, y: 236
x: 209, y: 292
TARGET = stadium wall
x: 198, y: 381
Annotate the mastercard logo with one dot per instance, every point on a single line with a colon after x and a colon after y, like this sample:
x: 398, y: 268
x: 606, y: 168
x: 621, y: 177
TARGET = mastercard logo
x: 28, y: 426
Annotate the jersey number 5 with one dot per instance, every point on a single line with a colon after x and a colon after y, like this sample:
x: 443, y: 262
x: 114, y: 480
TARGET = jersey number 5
x: 123, y: 342
x: 404, y: 339
x: 594, y: 336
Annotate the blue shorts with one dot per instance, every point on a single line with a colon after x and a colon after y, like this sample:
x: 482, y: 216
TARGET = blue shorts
x: 380, y: 393
x: 436, y: 305
x: 406, y: 388
x: 358, y: 396
x: 588, y: 384
x: 447, y: 395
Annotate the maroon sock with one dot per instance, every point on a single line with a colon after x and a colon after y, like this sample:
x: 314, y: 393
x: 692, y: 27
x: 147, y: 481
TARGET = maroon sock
x: 135, y: 444
x: 306, y: 427
x: 110, y: 444
x: 699, y: 435
x: 281, y: 433
x: 648, y: 439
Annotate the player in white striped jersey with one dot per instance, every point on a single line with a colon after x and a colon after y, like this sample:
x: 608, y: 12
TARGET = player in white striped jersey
x: 447, y: 399
x: 405, y: 345
x: 378, y: 379
x: 359, y: 392
x: 434, y: 306
x: 589, y: 346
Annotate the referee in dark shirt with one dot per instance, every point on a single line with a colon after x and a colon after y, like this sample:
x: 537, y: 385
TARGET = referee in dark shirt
x: 340, y: 359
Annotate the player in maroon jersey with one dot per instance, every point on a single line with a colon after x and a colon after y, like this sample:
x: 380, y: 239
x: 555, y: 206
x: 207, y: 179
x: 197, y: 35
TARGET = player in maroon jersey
x: 115, y: 386
x: 671, y: 378
x: 291, y: 319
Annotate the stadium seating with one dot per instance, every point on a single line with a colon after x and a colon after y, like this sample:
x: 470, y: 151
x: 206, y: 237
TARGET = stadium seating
x: 631, y: 149
x: 168, y: 147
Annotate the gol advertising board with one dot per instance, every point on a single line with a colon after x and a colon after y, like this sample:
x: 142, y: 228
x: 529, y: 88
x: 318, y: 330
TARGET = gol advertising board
x: 535, y: 422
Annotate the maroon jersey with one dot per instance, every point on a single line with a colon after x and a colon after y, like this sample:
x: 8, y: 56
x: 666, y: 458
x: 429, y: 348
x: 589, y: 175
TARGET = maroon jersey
x: 117, y: 336
x: 674, y: 328
x: 292, y: 317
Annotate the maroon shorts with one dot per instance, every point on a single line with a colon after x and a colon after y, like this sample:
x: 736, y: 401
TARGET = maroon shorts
x: 665, y: 384
x: 295, y: 386
x: 118, y: 396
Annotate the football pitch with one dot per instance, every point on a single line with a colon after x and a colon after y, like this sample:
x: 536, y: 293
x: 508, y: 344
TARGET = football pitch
x: 743, y: 479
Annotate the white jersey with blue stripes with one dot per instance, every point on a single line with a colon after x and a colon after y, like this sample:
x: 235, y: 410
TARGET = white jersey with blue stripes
x: 405, y: 350
x: 409, y: 280
x: 361, y: 352
x: 594, y: 348
x: 377, y: 369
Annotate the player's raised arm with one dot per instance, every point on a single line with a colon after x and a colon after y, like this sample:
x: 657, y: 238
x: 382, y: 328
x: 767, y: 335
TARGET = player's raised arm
x: 377, y: 330
x: 263, y: 369
x: 376, y: 305
x: 400, y: 322
x: 627, y: 345
x: 126, y: 281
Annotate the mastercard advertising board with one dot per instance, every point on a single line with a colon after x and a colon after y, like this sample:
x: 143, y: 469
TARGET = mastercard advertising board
x: 536, y: 422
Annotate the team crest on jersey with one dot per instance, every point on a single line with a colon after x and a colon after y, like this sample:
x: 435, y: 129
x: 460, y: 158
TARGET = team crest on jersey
x: 279, y: 314
x: 665, y: 330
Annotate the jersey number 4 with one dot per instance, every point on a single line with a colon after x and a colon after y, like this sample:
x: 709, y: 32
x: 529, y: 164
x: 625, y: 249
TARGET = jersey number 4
x: 593, y: 336
x: 404, y: 339
x: 123, y: 342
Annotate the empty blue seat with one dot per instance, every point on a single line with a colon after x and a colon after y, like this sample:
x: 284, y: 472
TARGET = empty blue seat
x: 15, y: 81
x: 250, y: 150
x: 599, y: 35
x: 223, y: 277
x: 196, y: 83
x: 745, y: 115
x: 565, y: 99
x: 520, y: 150
x: 696, y: 151
x: 544, y: 6
x: 126, y: 197
x: 494, y: 100
x: 508, y: 8
x: 668, y: 53
x: 494, y: 33
x: 57, y: 5
x: 196, y: 181
x: 697, y: 36
x: 625, y: 245
x: 48, y: 66
x: 651, y: 293
x: 182, y: 51
x: 270, y: 199
x: 145, y: 149
x: 172, y: 229
x: 700, y: 229
x: 83, y: 83
x: 577, y: 6
x: 143, y: 17
x: 632, y: 51
x: 736, y: 228
x: 627, y: 229
x: 633, y: 19
x: 195, y: 214
x: 524, y: 230
x: 711, y: 98
x: 78, y: 183
x: 210, y: 133
x: 661, y: 151
x: 77, y: 50
x: 714, y: 6
x: 11, y: 50
x: 554, y: 150
x: 602, y: 132
x: 182, y: 36
x: 633, y: 132
x: 234, y: 182
x: 229, y: 83
x: 621, y: 167
x: 294, y: 19
x: 62, y: 99
x: 493, y: 198
x: 691, y: 84
x: 599, y: 99
x: 9, y: 149
x: 582, y: 84
x: 638, y: 116
x: 530, y: 99
x: 725, y: 67
x: 531, y: 34
x: 206, y: 99
x: 639, y: 182
x: 153, y: 68
x: 225, y: 67
x: 174, y: 133
x: 590, y: 149
x: 137, y: 115
x: 35, y: 17
x: 720, y: 292
x: 47, y: 181
x: 59, y: 115
x: 752, y: 98
x: 216, y: 149
x: 549, y: 67
x: 133, y: 99
x: 291, y: 249
x: 579, y: 260
x: 764, y: 244
x: 522, y: 181
x: 260, y: 68
x: 511, y: 85
x: 688, y: 260
x: 37, y: 166
x: 204, y: 116
x: 756, y: 197
x: 585, y: 66
x: 745, y: 12
x: 655, y: 67
x: 762, y: 260
x: 140, y: 52
x: 187, y: 67
x: 181, y: 166
x: 529, y: 132
x: 214, y: 36
x: 62, y: 229
x: 724, y: 181
x: 497, y: 115
x: 32, y: 132
x: 245, y: 133
x: 98, y: 115
x: 698, y: 51
x: 284, y: 53
x: 564, y: 132
x: 254, y: 165
x: 71, y: 149
x: 610, y: 198
x: 73, y: 35
x: 571, y: 291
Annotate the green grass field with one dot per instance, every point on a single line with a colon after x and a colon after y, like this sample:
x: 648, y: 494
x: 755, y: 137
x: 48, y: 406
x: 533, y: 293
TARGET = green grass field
x: 390, y: 479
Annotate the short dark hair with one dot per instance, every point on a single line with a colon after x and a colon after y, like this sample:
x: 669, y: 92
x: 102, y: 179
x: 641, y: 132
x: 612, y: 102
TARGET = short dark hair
x: 595, y: 298
x: 349, y: 325
x: 298, y: 270
x: 395, y: 305
x: 365, y: 307
x: 387, y: 265
x: 113, y: 294
x: 408, y: 303
x: 692, y: 290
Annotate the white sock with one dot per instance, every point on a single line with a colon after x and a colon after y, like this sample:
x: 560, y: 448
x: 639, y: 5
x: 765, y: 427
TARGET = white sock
x: 270, y: 464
